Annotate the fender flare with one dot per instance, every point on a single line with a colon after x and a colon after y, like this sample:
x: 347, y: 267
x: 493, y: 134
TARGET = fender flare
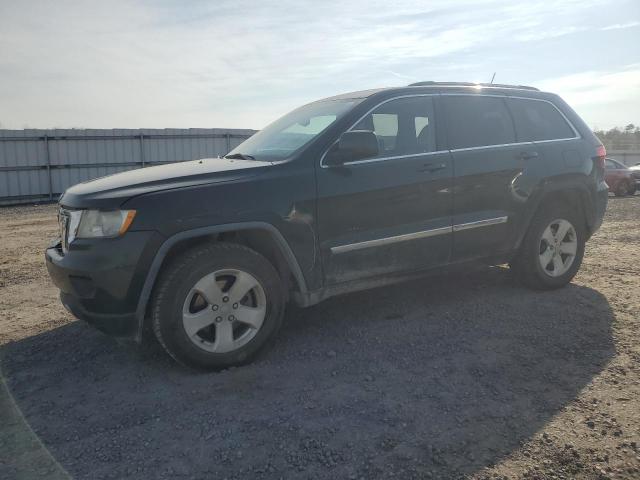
x: 162, y: 252
x: 549, y: 188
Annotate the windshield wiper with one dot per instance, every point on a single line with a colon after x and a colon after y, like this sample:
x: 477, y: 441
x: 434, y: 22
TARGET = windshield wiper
x: 240, y: 156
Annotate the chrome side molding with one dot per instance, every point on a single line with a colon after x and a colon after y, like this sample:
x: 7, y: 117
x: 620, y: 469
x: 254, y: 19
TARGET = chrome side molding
x: 388, y: 240
x: 480, y: 223
x: 378, y: 242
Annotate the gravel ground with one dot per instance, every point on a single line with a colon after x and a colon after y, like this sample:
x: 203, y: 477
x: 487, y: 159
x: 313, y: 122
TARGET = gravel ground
x: 458, y: 376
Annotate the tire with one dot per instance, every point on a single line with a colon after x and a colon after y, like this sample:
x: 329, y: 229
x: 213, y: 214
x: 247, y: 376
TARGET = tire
x: 632, y: 189
x: 622, y: 189
x: 541, y: 241
x: 199, y: 307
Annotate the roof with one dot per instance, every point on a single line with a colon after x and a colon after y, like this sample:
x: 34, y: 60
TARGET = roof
x: 470, y: 84
x: 438, y: 86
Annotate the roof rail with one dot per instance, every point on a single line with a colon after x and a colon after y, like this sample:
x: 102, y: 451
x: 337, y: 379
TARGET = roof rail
x: 470, y: 84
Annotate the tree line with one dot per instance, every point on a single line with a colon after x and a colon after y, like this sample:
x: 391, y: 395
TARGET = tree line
x: 627, y: 138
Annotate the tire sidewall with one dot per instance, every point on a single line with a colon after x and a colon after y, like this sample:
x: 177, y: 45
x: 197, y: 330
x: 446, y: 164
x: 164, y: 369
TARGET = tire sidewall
x: 178, y: 282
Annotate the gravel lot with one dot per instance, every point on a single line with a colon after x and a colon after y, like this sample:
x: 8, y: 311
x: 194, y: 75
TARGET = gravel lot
x: 461, y: 376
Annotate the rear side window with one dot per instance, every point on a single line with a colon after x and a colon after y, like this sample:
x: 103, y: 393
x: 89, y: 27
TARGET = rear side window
x: 611, y: 164
x: 538, y: 120
x: 475, y: 121
x: 404, y: 126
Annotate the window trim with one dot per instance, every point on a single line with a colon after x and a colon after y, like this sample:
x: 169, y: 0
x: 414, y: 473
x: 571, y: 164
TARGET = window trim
x: 576, y: 134
x: 380, y: 159
x: 482, y: 147
x: 506, y: 97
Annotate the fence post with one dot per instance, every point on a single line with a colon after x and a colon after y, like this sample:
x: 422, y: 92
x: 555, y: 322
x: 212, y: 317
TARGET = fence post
x: 142, y: 149
x: 48, y: 159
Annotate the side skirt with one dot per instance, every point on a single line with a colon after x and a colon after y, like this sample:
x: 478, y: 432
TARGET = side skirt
x: 316, y: 296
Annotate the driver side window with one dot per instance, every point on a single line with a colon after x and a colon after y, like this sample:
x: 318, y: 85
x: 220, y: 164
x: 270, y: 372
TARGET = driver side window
x: 403, y: 126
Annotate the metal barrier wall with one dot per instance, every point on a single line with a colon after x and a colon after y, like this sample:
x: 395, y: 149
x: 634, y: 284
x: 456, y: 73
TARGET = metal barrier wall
x: 628, y: 157
x: 38, y: 165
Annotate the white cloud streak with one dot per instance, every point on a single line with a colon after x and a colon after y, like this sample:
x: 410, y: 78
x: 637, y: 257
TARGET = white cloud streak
x: 620, y: 26
x: 595, y: 93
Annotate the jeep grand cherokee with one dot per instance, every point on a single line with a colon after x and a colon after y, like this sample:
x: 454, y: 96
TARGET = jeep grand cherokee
x: 345, y: 193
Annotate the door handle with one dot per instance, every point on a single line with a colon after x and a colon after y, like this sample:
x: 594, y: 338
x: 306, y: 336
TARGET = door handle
x: 528, y: 155
x: 432, y: 167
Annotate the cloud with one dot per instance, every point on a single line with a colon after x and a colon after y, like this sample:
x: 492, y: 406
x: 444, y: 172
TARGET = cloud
x: 603, y: 98
x: 597, y: 87
x: 126, y: 63
x: 620, y: 26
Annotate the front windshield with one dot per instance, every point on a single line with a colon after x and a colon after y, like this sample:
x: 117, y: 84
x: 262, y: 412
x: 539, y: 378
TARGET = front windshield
x: 297, y: 128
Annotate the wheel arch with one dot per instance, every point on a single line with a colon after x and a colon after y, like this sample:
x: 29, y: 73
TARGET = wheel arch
x: 260, y: 236
x: 572, y: 193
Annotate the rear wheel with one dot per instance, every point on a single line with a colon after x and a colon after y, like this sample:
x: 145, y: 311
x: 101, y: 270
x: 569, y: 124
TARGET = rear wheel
x: 217, y: 305
x: 632, y: 189
x: 623, y: 189
x: 552, y: 250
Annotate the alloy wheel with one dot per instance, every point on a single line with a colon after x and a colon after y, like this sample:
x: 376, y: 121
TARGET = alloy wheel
x: 224, y: 310
x: 558, y: 247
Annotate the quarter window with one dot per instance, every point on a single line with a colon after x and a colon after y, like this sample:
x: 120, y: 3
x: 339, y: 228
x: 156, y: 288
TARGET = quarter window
x: 404, y: 126
x: 538, y: 120
x: 477, y: 121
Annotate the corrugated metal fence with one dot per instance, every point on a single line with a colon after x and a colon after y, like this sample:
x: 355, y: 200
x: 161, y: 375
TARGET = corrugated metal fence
x: 38, y: 165
x: 628, y: 157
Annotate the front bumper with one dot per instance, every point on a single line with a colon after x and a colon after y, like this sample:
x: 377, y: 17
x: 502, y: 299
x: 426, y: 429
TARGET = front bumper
x: 118, y: 325
x: 100, y: 280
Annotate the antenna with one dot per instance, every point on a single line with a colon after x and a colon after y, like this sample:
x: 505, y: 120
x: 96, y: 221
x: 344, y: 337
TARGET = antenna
x: 492, y: 78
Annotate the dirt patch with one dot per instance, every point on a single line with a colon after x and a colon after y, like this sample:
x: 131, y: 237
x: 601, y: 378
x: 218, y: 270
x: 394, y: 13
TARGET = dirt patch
x: 465, y: 376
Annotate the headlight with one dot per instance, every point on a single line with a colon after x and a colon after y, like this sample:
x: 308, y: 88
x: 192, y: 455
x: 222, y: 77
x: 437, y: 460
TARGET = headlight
x: 98, y: 224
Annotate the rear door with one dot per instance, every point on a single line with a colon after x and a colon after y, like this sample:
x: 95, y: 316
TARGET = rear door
x: 487, y: 161
x: 392, y: 212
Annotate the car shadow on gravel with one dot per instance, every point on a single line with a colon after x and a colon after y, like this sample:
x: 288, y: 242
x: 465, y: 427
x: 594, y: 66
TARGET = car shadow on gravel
x: 438, y: 377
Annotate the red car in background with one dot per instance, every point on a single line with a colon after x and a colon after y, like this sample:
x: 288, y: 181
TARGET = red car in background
x: 620, y: 179
x: 635, y: 172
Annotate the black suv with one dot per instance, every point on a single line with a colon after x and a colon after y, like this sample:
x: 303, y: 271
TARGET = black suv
x: 346, y: 193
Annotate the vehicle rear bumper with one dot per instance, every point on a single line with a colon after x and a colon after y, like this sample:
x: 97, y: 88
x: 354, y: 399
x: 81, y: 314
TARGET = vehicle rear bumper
x: 601, y: 200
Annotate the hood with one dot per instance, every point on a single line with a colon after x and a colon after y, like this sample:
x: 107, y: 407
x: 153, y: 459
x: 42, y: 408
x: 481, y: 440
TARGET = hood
x: 113, y: 190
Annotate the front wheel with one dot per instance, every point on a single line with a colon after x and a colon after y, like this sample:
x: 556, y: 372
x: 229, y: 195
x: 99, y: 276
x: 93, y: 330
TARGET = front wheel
x: 217, y: 305
x: 552, y: 250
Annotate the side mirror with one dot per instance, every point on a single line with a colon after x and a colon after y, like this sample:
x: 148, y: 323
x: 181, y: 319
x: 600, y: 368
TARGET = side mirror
x: 354, y: 145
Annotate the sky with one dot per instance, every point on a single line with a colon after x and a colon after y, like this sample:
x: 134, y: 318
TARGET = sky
x: 242, y: 64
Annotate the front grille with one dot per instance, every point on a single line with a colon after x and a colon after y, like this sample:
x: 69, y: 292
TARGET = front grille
x: 63, y: 224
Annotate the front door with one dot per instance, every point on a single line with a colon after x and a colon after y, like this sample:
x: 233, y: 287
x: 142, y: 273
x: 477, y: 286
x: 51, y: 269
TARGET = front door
x: 392, y: 212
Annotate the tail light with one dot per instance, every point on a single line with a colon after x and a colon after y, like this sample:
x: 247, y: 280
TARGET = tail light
x: 599, y: 159
x: 601, y: 154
